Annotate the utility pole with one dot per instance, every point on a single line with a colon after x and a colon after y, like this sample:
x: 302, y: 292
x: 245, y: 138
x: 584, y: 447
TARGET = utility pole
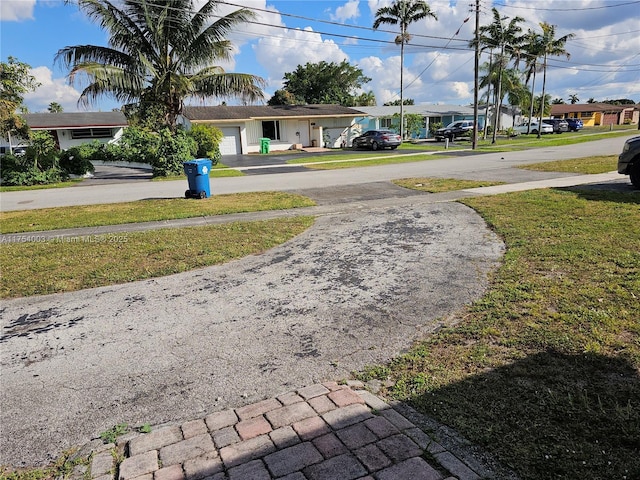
x: 402, y: 38
x: 476, y: 80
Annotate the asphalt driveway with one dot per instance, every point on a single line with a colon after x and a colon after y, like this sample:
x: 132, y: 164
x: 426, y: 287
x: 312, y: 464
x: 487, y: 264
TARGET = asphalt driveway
x: 357, y: 288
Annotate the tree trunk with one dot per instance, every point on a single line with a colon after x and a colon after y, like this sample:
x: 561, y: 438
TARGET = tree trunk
x: 544, y: 84
x: 533, y: 99
x: 401, y: 89
x: 498, y: 99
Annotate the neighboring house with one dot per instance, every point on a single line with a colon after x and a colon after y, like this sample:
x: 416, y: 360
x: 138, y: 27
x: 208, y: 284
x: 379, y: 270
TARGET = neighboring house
x: 71, y: 129
x: 388, y: 116
x: 596, y: 114
x: 510, y: 116
x: 287, y: 126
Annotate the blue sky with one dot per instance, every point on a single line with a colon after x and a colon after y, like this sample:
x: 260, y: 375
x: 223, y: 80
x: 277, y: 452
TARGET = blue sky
x: 604, y: 63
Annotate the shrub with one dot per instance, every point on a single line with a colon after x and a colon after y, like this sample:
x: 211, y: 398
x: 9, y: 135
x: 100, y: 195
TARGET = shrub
x: 77, y: 160
x: 434, y: 126
x: 33, y: 176
x: 135, y: 145
x: 172, y: 150
x: 208, y: 139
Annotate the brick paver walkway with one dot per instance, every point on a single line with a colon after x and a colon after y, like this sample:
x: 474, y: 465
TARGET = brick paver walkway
x: 320, y: 432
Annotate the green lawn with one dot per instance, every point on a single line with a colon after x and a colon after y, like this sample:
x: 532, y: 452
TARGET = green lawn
x: 146, y: 211
x: 544, y: 370
x: 63, y: 265
x: 589, y: 165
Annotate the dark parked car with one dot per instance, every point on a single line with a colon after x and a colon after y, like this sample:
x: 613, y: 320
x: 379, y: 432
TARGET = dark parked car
x: 629, y: 160
x: 375, y: 139
x: 575, y: 124
x: 454, y: 129
x: 559, y: 125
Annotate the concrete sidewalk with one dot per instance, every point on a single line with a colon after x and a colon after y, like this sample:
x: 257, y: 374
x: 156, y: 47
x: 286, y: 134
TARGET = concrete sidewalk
x: 320, y: 432
x: 331, y: 201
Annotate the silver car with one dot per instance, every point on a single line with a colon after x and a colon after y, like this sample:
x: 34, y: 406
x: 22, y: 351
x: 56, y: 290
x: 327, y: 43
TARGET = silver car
x: 546, y: 128
x: 376, y: 139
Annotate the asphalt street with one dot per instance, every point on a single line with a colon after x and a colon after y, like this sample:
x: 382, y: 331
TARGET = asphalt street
x: 357, y: 288
x: 492, y: 166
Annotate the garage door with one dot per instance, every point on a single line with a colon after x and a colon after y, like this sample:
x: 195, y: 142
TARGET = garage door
x: 230, y: 144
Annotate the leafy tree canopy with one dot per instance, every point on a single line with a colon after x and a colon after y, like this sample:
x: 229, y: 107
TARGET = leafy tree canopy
x: 55, y: 107
x: 283, y: 97
x: 322, y: 83
x: 396, y: 103
x: 620, y: 101
x: 15, y: 80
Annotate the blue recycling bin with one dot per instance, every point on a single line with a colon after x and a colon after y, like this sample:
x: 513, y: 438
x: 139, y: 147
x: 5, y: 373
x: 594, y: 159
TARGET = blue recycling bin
x: 197, y: 172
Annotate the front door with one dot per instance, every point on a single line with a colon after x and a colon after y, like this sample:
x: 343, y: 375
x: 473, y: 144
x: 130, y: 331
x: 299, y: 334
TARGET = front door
x: 303, y: 130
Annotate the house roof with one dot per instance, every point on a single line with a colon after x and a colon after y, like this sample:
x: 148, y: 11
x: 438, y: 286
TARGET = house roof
x: 426, y: 110
x: 564, y: 108
x: 261, y: 112
x: 75, y: 120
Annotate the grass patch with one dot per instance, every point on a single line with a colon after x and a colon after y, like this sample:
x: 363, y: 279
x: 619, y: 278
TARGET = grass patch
x: 220, y: 170
x: 68, y: 183
x: 146, y: 210
x: 544, y: 370
x: 85, y: 262
x: 61, y: 468
x: 437, y: 185
x: 588, y: 165
x: 526, y: 142
x: 371, y: 162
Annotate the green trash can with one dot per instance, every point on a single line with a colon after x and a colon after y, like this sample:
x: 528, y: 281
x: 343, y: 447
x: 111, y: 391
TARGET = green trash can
x: 264, y: 145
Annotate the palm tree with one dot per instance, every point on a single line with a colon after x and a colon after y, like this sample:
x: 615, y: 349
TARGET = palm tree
x: 532, y: 49
x: 550, y: 46
x: 403, y: 12
x: 509, y: 78
x: 573, y: 99
x: 54, y: 107
x: 159, y: 53
x: 506, y: 39
x: 366, y: 99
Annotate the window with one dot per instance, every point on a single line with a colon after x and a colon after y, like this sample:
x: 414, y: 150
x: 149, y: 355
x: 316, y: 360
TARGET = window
x: 386, y: 122
x: 271, y: 129
x: 586, y: 114
x: 81, y: 133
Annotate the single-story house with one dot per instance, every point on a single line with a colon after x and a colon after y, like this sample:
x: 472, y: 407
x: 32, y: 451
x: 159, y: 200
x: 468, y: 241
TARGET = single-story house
x: 596, y: 114
x: 286, y: 126
x: 74, y: 128
x: 387, y: 116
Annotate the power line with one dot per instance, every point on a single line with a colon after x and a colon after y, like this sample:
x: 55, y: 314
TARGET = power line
x: 328, y: 22
x: 572, y: 9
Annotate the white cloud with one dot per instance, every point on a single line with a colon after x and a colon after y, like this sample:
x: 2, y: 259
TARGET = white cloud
x: 16, y: 10
x: 51, y: 90
x: 348, y: 11
x: 283, y: 53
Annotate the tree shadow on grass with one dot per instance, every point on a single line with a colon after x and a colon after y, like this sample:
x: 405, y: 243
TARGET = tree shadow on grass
x: 549, y: 415
x: 613, y: 192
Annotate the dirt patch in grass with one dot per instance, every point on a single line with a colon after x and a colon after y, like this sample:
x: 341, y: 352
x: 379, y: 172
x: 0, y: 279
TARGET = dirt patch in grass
x: 437, y: 185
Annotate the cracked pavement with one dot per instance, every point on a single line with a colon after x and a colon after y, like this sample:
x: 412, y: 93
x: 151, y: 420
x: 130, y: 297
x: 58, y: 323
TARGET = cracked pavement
x: 355, y: 289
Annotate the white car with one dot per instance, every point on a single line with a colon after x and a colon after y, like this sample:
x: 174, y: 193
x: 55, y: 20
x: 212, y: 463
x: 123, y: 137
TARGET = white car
x: 546, y: 128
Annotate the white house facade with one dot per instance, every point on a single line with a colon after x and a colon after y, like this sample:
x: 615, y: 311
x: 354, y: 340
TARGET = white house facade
x: 286, y: 126
x: 76, y: 128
